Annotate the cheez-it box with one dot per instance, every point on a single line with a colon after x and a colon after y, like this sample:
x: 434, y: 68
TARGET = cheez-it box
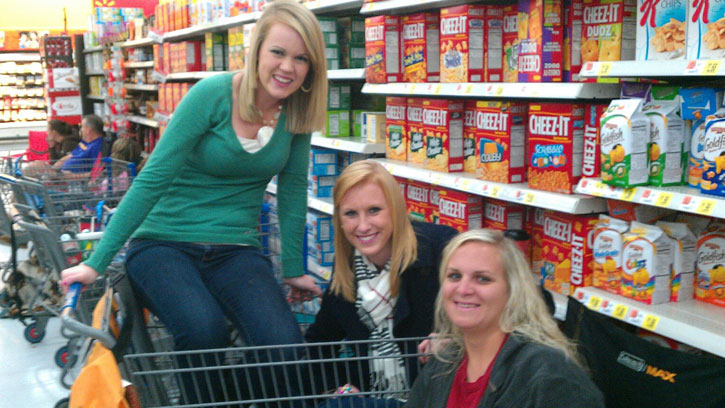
x: 414, y: 126
x: 396, y: 144
x: 573, y: 12
x: 383, y: 50
x: 434, y: 199
x: 418, y: 201
x: 421, y: 54
x: 591, y: 158
x: 462, y: 43
x: 500, y: 140
x: 510, y: 39
x: 493, y: 43
x: 470, y: 152
x: 502, y: 215
x: 540, y: 41
x: 568, y: 260
x: 443, y: 128
x: 462, y: 211
x: 608, y: 31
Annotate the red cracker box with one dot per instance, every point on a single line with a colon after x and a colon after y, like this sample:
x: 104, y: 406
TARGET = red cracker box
x: 383, y: 51
x: 443, y: 128
x: 510, y: 39
x: 162, y: 98
x: 502, y: 215
x: 418, y: 201
x: 159, y: 58
x: 462, y: 43
x: 169, y: 98
x: 176, y: 92
x: 556, y: 139
x: 493, y: 45
x: 396, y: 139
x: 434, y: 198
x: 500, y: 140
x: 421, y: 55
x: 166, y: 56
x: 573, y: 12
x: 608, y: 31
x: 591, y: 159
x: 537, y: 238
x: 541, y: 37
x: 470, y: 153
x: 403, y: 183
x: 414, y: 131
x: 568, y: 260
x: 462, y: 211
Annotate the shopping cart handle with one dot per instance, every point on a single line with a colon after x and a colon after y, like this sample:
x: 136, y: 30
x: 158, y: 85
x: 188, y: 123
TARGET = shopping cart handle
x: 69, y: 322
x: 71, y: 298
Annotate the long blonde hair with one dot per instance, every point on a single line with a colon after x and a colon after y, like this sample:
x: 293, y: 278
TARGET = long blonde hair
x: 305, y: 110
x: 404, y: 242
x: 524, y: 313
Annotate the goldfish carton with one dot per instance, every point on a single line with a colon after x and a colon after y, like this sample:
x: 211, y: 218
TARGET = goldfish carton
x: 502, y: 215
x: 510, y: 39
x: 418, y: 201
x: 705, y: 34
x: 500, y: 139
x: 397, y: 140
x: 443, y: 128
x: 462, y: 211
x: 421, y: 54
x: 414, y: 126
x: 606, y: 243
x: 661, y: 30
x: 710, y: 270
x: 697, y: 104
x: 666, y: 137
x: 624, y: 137
x: 713, y: 156
x: 470, y: 151
x: 682, y: 277
x: 567, y: 257
x: 541, y: 35
x: 383, y: 50
x: 647, y: 261
x: 591, y: 158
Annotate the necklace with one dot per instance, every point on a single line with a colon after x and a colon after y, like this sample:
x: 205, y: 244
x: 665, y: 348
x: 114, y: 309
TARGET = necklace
x: 267, y: 130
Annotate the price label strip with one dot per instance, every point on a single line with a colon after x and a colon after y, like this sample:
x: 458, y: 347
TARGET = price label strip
x: 607, y: 307
x: 595, y: 302
x: 620, y: 311
x: 604, y: 69
x: 650, y: 322
x: 706, y: 207
x: 628, y: 194
x: 663, y: 200
x: 712, y: 67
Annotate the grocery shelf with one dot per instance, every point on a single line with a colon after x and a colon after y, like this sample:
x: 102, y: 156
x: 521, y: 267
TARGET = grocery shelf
x: 348, y: 144
x: 11, y: 130
x: 141, y: 87
x: 404, y: 6
x: 179, y: 76
x: 142, y: 42
x: 551, y: 90
x: 675, y: 198
x: 20, y: 57
x: 346, y: 74
x: 139, y: 64
x: 143, y: 121
x: 694, y: 323
x: 327, y: 6
x: 637, y: 69
x: 221, y: 24
x: 96, y: 97
x: 97, y: 48
x: 517, y: 193
x: 95, y: 73
x: 320, y: 204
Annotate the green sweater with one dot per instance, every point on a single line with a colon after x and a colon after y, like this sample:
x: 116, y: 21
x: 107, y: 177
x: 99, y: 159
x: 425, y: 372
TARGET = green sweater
x: 199, y: 185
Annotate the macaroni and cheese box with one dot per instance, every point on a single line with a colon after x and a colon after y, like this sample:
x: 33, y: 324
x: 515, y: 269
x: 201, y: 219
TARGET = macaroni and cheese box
x: 573, y: 14
x: 556, y: 146
x: 470, y: 155
x: 434, y: 198
x: 647, y: 260
x: 591, y: 159
x: 414, y: 125
x: 418, y: 201
x: 502, y: 215
x: 624, y: 138
x: 462, y: 43
x: 397, y: 140
x: 541, y: 37
x: 382, y: 50
x: 421, y: 52
x: 661, y: 30
x: 510, y: 40
x: 567, y: 256
x: 443, y: 128
x: 607, y: 244
x: 705, y: 30
x: 462, y: 211
x: 500, y: 139
x: 713, y: 156
x: 682, y: 277
x: 710, y: 277
x: 608, y: 31
x: 667, y: 135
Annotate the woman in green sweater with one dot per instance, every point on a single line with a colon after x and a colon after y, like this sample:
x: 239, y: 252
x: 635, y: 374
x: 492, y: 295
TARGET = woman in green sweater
x: 192, y: 214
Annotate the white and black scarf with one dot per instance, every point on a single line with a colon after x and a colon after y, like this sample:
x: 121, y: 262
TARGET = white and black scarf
x: 375, y: 305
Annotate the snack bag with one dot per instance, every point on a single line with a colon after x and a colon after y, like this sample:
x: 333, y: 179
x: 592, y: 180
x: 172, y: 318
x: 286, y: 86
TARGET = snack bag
x: 713, y: 156
x: 647, y: 260
x: 697, y: 105
x: 606, y: 244
x: 624, y: 137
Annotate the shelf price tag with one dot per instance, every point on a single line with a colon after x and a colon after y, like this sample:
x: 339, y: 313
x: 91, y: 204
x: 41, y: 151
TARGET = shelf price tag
x: 712, y: 67
x: 369, y: 7
x: 663, y: 199
x: 705, y: 208
x: 499, y: 90
x: 495, y: 191
x: 437, y: 90
x: 650, y: 322
x: 604, y: 68
x: 469, y: 89
x: 620, y: 312
x: 436, y: 179
x: 594, y: 303
x: 628, y: 194
x: 529, y: 198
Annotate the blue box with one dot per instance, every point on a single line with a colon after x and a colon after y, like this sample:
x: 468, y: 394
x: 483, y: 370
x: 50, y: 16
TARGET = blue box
x: 323, y: 162
x: 319, y: 226
x: 700, y: 102
x: 321, y: 186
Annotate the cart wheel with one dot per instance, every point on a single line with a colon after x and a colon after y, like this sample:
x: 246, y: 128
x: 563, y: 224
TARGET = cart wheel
x: 62, y: 356
x: 33, y: 333
x: 62, y: 403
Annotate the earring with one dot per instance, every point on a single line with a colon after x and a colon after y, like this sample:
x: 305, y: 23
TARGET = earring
x: 305, y: 90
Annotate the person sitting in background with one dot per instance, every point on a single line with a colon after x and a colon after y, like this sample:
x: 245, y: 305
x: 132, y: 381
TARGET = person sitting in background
x: 496, y: 344
x: 62, y: 139
x: 81, y: 159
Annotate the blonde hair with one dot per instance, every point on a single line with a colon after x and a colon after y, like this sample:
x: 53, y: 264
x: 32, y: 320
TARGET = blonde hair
x: 404, y: 242
x: 524, y: 313
x: 305, y: 110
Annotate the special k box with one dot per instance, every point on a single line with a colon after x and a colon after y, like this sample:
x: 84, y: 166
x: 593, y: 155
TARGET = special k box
x: 397, y: 140
x: 710, y: 279
x: 500, y: 139
x: 573, y: 14
x: 568, y: 262
x: 705, y: 34
x: 443, y: 128
x: 470, y: 155
x: 502, y: 215
x: 417, y: 200
x: 460, y: 210
x: 661, y: 30
x: 556, y: 145
x: 541, y: 37
x: 607, y: 241
x: 462, y: 43
x: 647, y: 261
x: 608, y: 30
x: 383, y: 50
x: 414, y: 126
x: 591, y: 159
x: 421, y: 54
x: 510, y: 39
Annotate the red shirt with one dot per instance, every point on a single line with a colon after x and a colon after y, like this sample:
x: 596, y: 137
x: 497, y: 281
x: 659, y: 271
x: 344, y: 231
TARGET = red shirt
x: 466, y: 394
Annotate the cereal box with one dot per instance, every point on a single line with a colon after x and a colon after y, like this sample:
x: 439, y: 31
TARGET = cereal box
x: 682, y: 277
x: 416, y: 139
x: 397, y: 140
x: 647, y: 260
x: 421, y: 52
x: 537, y: 238
x: 713, y: 156
x: 502, y: 215
x: 591, y: 159
x: 462, y: 43
x: 443, y: 128
x: 573, y: 13
x: 567, y: 257
x: 540, y: 41
x: 556, y: 146
x: 383, y: 50
x: 606, y: 242
x: 705, y: 34
x: 661, y: 30
x: 710, y: 270
x: 418, y: 201
x: 462, y: 211
x: 434, y: 198
x: 608, y: 30
x: 500, y: 139
x: 510, y: 39
x: 624, y: 137
x: 667, y: 134
x: 470, y: 155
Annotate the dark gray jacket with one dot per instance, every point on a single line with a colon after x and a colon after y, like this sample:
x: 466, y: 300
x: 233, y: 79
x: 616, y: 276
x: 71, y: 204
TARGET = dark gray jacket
x: 524, y: 375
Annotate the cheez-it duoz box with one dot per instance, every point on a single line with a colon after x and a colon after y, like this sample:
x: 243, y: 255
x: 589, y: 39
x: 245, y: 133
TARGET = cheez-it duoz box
x: 396, y: 145
x: 541, y: 38
x: 608, y: 31
x: 462, y: 211
x: 500, y: 140
x: 414, y: 126
x: 591, y: 158
x: 502, y: 215
x: 567, y: 258
x: 462, y: 43
x: 510, y: 39
x: 421, y: 54
x: 443, y: 128
x: 383, y: 50
x: 434, y: 199
x: 418, y: 201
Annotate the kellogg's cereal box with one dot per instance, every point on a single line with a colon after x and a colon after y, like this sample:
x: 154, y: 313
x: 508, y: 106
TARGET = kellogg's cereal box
x: 434, y: 198
x: 705, y: 34
x: 573, y: 13
x: 421, y: 52
x: 567, y: 257
x: 470, y: 155
x: 647, y: 260
x: 661, y: 29
x: 667, y: 134
x: 624, y: 138
x: 710, y: 270
x: 500, y: 139
x: 414, y: 125
x: 713, y: 156
x: 502, y: 215
x: 462, y: 43
x: 591, y: 159
x: 383, y: 50
x: 418, y: 201
x: 541, y: 37
x: 443, y: 128
x: 607, y: 242
x: 608, y: 30
x: 510, y: 53
x: 556, y: 146
x: 397, y: 139
x: 460, y: 210
x: 682, y: 277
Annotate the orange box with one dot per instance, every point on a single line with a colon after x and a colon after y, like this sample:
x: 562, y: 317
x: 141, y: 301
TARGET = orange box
x: 556, y: 139
x: 418, y: 201
x: 443, y: 128
x: 396, y: 144
x: 540, y: 40
x: 510, y: 39
x: 166, y: 55
x: 537, y: 238
x: 414, y: 131
x: 169, y: 89
x: 591, y: 158
x: 503, y: 215
x: 462, y: 43
x: 500, y: 141
x: 462, y: 211
x: 383, y: 51
x: 184, y: 89
x: 434, y: 198
x: 159, y: 58
x: 710, y: 273
x: 162, y: 98
x: 421, y: 55
x: 470, y: 152
x: 568, y: 260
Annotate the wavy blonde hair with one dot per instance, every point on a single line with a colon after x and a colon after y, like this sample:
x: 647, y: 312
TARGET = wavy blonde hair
x: 404, y: 242
x: 306, y: 111
x: 524, y: 313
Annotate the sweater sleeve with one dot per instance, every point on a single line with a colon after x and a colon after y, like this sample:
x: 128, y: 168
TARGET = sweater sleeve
x: 192, y: 118
x: 292, y: 205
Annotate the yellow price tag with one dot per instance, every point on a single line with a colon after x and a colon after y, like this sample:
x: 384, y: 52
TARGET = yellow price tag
x: 336, y: 142
x: 604, y: 68
x: 594, y: 303
x: 620, y: 312
x: 529, y: 198
x: 437, y: 90
x: 465, y: 184
x: 712, y: 67
x: 628, y: 194
x: 650, y: 322
x: 705, y: 207
x: 499, y: 91
x: 436, y: 179
x: 664, y: 199
x: 469, y: 89
x: 369, y: 6
x: 411, y: 89
x: 495, y: 191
